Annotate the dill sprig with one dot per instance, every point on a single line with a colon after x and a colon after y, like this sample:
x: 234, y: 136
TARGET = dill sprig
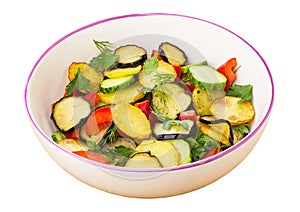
x: 159, y: 90
x: 103, y: 45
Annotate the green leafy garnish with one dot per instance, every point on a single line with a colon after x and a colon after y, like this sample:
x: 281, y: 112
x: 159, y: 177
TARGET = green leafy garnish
x: 160, y: 91
x: 103, y: 45
x: 242, y: 91
x: 79, y: 82
x: 202, y: 145
x: 104, y: 60
x: 111, y: 136
x: 93, y: 146
x: 243, y: 128
x: 124, y: 151
x: 145, y: 90
x: 169, y: 123
x: 151, y: 64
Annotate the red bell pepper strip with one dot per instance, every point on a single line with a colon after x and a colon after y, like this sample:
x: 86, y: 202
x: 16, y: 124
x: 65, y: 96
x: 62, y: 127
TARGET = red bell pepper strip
x: 156, y: 52
x: 228, y: 70
x: 189, y: 114
x: 178, y: 70
x: 144, y: 107
x: 212, y: 152
x: 92, y: 156
x: 98, y: 120
x: 74, y: 134
x: 93, y: 98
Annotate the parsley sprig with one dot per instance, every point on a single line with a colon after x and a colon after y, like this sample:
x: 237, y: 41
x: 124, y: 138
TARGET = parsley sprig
x: 79, y: 82
x: 106, y: 59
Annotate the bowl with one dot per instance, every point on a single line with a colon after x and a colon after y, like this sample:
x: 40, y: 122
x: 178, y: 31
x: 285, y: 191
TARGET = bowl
x: 48, y: 79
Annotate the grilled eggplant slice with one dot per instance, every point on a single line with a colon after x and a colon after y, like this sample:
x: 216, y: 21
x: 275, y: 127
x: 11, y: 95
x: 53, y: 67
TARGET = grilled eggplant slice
x: 218, y: 129
x: 175, y: 131
x: 172, y: 101
x: 172, y: 54
x: 150, y: 80
x: 70, y: 112
x: 143, y: 160
x: 166, y: 152
x: 130, y: 56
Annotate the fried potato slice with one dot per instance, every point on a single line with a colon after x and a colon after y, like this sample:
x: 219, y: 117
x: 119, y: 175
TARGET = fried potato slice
x: 229, y: 108
x: 88, y: 72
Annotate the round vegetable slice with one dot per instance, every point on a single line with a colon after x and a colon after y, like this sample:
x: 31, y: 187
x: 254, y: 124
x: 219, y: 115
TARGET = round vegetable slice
x: 88, y: 72
x: 143, y: 160
x: 230, y: 109
x: 172, y: 54
x: 130, y: 56
x: 72, y: 145
x: 131, y: 121
x: 70, y: 112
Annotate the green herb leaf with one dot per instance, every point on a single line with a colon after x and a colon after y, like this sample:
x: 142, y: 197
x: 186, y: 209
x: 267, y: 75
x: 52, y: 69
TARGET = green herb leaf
x: 111, y: 136
x: 151, y: 64
x: 92, y: 146
x: 103, y: 45
x: 79, y: 82
x: 243, y: 128
x: 145, y: 90
x: 169, y: 123
x: 242, y: 91
x: 104, y: 60
x: 124, y: 151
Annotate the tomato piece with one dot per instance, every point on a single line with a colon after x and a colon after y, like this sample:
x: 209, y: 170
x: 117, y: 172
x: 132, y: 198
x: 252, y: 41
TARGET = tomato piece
x: 93, y: 98
x: 144, y: 106
x: 227, y: 69
x: 92, y: 156
x: 189, y: 114
x: 98, y: 120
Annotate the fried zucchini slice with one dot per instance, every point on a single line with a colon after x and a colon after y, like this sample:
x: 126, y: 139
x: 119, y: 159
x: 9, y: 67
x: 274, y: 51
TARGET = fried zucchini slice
x: 143, y: 160
x: 70, y: 112
x: 230, y: 109
x: 166, y: 152
x: 172, y: 54
x: 72, y: 145
x: 122, y: 72
x: 131, y: 121
x: 88, y: 72
x: 130, y: 56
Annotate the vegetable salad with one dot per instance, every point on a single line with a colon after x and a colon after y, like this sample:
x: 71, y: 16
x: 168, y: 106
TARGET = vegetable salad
x: 133, y: 108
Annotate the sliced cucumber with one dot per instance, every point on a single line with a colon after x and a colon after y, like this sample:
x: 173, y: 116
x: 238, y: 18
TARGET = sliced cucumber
x: 206, y: 77
x: 111, y: 85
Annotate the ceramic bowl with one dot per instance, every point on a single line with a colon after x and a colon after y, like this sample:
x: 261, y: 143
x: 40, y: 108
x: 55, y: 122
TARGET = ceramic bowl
x: 48, y: 79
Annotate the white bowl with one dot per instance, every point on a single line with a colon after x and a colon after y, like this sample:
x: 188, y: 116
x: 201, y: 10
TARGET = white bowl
x: 48, y: 79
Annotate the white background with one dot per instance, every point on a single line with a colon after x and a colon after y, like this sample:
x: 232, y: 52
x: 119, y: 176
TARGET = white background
x: 267, y: 180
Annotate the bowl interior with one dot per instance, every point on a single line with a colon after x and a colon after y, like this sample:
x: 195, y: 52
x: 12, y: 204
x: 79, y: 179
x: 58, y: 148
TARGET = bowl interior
x: 198, y: 38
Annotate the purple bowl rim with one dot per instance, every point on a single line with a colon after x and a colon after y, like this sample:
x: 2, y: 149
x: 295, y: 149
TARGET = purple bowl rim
x: 181, y: 167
